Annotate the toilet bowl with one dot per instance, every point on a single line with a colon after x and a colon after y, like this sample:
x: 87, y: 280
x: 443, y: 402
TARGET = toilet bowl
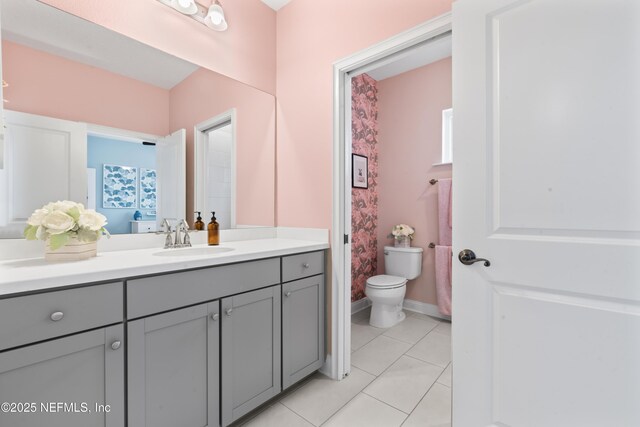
x: 386, y: 291
x: 386, y: 294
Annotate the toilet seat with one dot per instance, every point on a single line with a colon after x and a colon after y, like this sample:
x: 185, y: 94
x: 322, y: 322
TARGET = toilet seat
x: 384, y: 281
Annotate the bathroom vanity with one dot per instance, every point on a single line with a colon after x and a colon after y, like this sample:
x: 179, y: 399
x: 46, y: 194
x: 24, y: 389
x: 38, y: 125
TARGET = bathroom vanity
x: 170, y: 340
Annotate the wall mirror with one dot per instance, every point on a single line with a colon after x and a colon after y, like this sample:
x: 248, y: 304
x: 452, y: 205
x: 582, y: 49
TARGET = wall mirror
x: 140, y: 135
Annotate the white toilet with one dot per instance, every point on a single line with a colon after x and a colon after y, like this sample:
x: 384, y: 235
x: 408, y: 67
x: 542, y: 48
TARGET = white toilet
x: 386, y: 291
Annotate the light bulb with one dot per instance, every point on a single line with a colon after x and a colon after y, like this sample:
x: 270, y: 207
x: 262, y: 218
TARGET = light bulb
x: 184, y: 3
x: 216, y: 17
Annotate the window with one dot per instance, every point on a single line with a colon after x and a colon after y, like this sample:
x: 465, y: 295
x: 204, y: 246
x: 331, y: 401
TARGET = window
x: 447, y: 130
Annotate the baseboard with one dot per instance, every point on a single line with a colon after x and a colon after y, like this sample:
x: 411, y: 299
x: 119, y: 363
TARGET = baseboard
x: 360, y: 305
x: 424, y: 308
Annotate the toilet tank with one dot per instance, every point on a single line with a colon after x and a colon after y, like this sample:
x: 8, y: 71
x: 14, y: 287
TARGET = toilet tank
x: 403, y: 262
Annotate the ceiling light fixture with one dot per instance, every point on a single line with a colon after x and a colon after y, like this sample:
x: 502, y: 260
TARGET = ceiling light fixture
x: 212, y: 16
x: 188, y: 7
x: 215, y: 17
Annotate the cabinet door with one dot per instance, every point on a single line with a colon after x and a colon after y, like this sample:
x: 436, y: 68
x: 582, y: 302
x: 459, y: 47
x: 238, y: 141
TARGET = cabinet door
x: 250, y: 351
x: 302, y: 328
x: 66, y: 382
x: 173, y: 368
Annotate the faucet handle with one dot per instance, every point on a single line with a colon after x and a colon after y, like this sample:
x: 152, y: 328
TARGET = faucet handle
x: 165, y: 227
x: 185, y: 228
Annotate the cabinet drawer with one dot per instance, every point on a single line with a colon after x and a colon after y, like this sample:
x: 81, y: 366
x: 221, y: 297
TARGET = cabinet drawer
x: 170, y: 291
x: 304, y: 265
x: 30, y: 318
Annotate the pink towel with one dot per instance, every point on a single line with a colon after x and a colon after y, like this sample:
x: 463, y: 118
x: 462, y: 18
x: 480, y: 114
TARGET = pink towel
x: 443, y: 279
x: 444, y: 211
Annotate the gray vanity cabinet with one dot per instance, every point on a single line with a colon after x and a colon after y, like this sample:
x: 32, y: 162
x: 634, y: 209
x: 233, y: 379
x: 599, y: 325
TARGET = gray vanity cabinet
x: 302, y: 328
x: 173, y: 368
x: 250, y: 351
x: 66, y: 382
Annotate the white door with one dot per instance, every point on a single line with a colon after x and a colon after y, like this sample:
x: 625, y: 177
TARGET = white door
x: 46, y: 161
x: 171, y: 176
x: 547, y: 187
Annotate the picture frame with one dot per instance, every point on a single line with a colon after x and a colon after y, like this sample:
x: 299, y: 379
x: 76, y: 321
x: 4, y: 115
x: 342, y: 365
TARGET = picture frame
x: 359, y: 171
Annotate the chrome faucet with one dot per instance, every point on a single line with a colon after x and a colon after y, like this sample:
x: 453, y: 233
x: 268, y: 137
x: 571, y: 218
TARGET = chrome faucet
x: 178, y: 241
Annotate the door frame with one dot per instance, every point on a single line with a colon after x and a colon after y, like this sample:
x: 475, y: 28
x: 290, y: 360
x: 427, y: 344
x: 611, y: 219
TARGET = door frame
x: 338, y: 364
x: 200, y: 160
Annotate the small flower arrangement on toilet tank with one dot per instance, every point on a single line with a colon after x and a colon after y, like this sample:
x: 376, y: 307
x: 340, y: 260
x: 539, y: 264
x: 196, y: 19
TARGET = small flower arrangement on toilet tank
x: 402, y: 235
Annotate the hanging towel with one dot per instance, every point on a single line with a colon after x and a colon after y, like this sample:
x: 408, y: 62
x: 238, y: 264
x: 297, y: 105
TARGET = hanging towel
x: 443, y: 279
x: 444, y: 211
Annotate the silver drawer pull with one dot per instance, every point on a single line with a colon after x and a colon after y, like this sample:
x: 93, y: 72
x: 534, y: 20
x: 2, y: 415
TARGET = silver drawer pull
x: 215, y: 316
x: 58, y: 315
x: 228, y: 312
x: 115, y: 345
x: 305, y: 265
x: 288, y: 294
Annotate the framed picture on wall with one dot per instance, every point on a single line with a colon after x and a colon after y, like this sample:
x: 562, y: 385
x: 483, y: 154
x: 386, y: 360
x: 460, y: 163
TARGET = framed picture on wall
x: 359, y: 171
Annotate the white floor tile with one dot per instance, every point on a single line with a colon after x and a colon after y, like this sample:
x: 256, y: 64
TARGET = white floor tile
x: 423, y: 316
x: 321, y: 397
x: 362, y: 317
x: 411, y: 329
x: 365, y: 411
x: 277, y: 415
x: 434, y: 410
x: 405, y: 383
x: 444, y: 328
x: 434, y: 348
x: 445, y: 378
x: 362, y: 334
x: 379, y: 354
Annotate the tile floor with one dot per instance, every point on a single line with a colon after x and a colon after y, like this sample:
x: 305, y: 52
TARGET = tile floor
x: 400, y: 376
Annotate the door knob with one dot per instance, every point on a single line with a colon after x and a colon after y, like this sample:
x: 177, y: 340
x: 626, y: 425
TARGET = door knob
x: 229, y: 311
x: 468, y: 257
x: 115, y: 345
x: 214, y: 316
x: 287, y: 294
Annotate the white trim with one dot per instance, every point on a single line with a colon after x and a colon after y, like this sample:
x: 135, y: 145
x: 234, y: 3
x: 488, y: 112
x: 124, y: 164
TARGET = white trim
x: 121, y: 134
x: 361, y: 304
x: 339, y: 364
x: 442, y: 164
x: 200, y: 160
x: 424, y: 308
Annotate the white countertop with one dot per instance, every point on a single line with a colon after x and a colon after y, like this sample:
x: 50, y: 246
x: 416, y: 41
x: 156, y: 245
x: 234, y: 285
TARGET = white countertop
x: 35, y: 274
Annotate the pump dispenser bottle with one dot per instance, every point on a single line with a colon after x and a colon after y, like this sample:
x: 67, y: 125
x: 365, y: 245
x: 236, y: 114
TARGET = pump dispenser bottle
x: 213, y: 230
x: 199, y: 224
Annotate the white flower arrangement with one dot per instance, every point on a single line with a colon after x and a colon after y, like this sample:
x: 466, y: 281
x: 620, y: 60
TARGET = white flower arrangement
x: 402, y: 230
x: 60, y: 221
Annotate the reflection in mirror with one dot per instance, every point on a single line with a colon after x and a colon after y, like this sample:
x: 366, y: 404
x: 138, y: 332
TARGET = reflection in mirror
x: 85, y: 108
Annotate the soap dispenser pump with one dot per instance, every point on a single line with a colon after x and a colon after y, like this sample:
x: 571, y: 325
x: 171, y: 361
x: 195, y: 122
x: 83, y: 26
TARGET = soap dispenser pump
x: 199, y: 224
x: 213, y: 230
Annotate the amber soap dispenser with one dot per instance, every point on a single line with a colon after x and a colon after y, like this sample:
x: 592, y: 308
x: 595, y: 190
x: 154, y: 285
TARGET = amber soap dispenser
x: 213, y: 230
x: 199, y: 224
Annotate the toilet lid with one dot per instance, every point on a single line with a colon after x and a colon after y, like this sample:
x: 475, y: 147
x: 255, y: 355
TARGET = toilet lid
x: 384, y: 282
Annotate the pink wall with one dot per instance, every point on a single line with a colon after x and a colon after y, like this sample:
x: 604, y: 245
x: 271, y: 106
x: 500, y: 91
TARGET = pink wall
x: 204, y: 95
x: 311, y: 36
x: 364, y: 202
x: 245, y: 52
x: 410, y: 138
x: 49, y: 85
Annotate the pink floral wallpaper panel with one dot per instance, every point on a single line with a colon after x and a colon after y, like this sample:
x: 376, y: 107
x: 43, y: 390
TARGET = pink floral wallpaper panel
x: 364, y: 202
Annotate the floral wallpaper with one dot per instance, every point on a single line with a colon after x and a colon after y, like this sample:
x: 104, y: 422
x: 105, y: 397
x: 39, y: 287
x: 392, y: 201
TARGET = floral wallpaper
x: 364, y: 202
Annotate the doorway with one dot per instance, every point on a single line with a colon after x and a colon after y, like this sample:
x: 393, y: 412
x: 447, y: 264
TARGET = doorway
x: 215, y: 171
x: 387, y: 52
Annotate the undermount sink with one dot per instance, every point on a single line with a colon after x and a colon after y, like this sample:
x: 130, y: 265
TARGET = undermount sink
x: 210, y: 250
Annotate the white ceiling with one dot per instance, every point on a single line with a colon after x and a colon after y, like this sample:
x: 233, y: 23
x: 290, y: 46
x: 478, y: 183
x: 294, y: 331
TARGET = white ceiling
x: 39, y: 26
x: 276, y: 4
x: 414, y: 58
